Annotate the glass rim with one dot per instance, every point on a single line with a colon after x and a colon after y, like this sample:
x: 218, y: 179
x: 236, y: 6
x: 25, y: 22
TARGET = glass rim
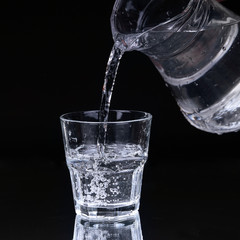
x: 145, y: 116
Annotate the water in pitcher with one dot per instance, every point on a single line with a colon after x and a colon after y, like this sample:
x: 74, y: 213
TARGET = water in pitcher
x: 207, y: 93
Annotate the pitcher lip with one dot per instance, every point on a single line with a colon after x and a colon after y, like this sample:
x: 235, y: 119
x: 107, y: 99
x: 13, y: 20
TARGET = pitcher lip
x: 114, y: 16
x: 145, y: 116
x: 208, y: 23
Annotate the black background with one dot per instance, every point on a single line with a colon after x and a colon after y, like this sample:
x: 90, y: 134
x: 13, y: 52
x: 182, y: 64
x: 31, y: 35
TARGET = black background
x: 53, y: 59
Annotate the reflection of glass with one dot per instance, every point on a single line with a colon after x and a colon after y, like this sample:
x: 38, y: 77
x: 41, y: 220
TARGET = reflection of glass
x: 127, y: 229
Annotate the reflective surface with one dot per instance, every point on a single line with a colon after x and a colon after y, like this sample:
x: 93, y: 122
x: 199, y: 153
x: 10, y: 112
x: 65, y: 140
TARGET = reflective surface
x: 180, y: 200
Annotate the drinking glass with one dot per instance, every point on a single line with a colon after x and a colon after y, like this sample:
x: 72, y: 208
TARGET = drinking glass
x: 106, y: 160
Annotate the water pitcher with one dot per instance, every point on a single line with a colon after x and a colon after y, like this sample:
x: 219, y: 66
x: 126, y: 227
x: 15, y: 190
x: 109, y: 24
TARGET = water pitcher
x: 195, y: 46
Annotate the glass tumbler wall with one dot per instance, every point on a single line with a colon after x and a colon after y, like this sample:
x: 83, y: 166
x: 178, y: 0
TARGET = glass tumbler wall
x: 106, y: 160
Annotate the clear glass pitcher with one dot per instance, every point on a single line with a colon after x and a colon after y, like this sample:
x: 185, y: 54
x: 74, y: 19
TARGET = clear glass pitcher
x: 195, y: 45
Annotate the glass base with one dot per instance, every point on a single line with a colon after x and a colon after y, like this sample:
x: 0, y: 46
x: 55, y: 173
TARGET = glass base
x: 107, y: 213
